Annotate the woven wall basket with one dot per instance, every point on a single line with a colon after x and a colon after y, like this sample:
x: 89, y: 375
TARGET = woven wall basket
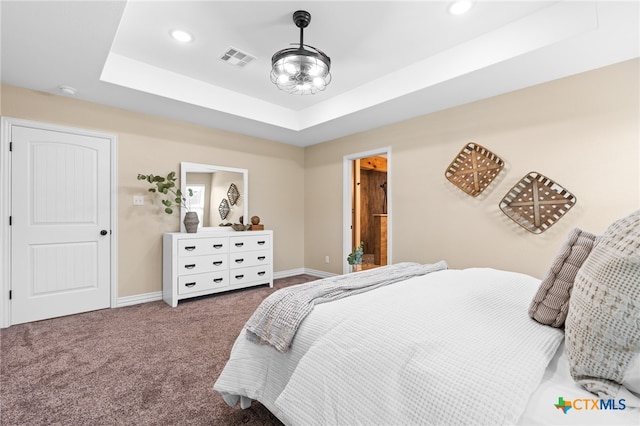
x: 537, y: 202
x: 474, y: 168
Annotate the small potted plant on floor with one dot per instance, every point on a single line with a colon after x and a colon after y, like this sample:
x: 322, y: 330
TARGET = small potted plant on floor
x: 355, y: 257
x: 166, y: 185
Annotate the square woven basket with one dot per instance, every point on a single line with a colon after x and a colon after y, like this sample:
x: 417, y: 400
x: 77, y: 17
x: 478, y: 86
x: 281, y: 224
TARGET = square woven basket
x: 537, y: 202
x: 474, y: 168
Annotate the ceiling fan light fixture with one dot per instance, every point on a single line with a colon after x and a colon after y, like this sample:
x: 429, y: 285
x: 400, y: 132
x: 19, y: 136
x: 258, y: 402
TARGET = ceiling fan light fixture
x: 303, y: 70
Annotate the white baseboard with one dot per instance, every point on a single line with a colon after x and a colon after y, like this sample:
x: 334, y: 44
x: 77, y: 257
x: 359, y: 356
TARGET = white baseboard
x: 289, y: 273
x: 319, y: 274
x: 302, y: 271
x: 139, y: 298
x: 157, y: 295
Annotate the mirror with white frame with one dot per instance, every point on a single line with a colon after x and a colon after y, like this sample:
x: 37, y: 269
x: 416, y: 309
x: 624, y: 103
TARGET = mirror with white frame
x: 210, y: 185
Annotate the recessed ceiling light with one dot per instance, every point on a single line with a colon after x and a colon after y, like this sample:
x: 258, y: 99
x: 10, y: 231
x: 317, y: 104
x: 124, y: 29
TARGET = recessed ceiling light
x: 460, y: 7
x: 181, y: 36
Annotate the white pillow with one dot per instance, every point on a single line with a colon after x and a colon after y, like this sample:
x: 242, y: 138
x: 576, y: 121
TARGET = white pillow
x: 631, y: 379
x: 602, y: 326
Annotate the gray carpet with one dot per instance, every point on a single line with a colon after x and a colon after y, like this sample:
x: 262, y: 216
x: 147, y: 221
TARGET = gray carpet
x: 147, y: 364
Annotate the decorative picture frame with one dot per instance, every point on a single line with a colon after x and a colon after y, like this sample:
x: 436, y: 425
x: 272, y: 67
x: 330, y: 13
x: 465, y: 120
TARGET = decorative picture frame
x: 536, y: 202
x: 474, y: 168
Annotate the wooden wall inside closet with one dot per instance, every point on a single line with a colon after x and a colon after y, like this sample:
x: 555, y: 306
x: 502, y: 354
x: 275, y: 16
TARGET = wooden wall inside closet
x: 373, y: 175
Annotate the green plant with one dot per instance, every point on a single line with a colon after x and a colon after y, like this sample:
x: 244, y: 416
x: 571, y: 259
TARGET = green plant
x: 167, y: 186
x: 355, y: 257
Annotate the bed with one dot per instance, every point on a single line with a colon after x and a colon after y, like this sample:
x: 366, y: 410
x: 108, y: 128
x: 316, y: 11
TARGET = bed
x: 450, y: 346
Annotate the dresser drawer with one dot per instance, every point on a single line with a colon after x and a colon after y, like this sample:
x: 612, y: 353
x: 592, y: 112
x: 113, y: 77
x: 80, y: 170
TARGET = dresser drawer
x: 198, y: 264
x: 249, y: 242
x: 238, y: 277
x: 200, y: 246
x: 249, y: 258
x: 201, y: 282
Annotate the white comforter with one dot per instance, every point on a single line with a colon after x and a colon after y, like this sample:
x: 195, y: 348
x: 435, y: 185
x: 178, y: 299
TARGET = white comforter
x: 451, y: 347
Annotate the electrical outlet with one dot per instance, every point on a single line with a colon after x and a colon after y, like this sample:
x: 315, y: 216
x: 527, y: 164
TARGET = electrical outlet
x: 326, y: 259
x: 138, y: 200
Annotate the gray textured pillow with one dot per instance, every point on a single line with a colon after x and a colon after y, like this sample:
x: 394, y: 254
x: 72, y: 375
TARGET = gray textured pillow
x: 603, y: 324
x: 551, y: 303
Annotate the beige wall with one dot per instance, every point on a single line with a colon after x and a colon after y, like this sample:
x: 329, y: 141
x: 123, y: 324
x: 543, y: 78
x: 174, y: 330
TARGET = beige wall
x: 582, y: 131
x: 148, y: 144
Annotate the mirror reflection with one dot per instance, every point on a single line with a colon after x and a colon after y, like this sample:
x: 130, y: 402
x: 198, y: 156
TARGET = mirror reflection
x: 220, y: 194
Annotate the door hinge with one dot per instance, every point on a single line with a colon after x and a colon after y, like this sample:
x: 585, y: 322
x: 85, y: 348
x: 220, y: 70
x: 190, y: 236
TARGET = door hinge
x: 10, y: 294
x: 10, y: 146
x: 9, y: 220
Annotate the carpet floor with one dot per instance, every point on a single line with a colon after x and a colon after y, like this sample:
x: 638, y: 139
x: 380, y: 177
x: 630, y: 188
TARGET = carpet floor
x: 147, y: 364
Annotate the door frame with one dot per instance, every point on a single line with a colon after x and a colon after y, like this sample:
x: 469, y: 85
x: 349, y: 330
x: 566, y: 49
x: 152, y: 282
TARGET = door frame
x: 347, y: 178
x: 5, y: 207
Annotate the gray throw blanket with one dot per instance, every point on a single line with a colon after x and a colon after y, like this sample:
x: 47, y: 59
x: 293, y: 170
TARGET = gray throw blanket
x: 278, y: 317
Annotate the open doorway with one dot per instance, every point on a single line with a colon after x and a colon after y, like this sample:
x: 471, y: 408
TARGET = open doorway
x: 367, y: 214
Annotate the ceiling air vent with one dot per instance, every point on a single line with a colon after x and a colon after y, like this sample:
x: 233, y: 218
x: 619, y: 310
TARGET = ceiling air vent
x: 236, y: 57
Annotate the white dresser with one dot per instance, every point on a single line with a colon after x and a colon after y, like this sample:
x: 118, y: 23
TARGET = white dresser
x: 210, y: 262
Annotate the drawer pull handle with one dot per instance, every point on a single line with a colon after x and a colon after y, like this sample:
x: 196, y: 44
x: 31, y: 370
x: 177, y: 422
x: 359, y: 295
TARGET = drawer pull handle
x: 217, y: 246
x: 190, y: 266
x: 189, y: 284
x: 239, y: 277
x: 261, y: 243
x: 239, y: 244
x: 239, y: 260
x: 217, y: 280
x: 262, y: 257
x: 217, y: 263
x: 190, y: 248
x: 261, y: 273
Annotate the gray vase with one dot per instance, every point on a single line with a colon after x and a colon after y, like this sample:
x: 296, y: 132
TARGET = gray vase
x: 191, y: 222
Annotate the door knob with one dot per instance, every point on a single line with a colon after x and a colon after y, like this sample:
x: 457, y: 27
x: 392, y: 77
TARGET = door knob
x: 103, y: 232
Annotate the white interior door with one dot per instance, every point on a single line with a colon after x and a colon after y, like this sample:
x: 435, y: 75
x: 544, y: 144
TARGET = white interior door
x: 60, y: 223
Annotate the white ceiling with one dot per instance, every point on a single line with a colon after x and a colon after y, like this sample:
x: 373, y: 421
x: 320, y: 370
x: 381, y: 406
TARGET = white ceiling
x: 391, y: 60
